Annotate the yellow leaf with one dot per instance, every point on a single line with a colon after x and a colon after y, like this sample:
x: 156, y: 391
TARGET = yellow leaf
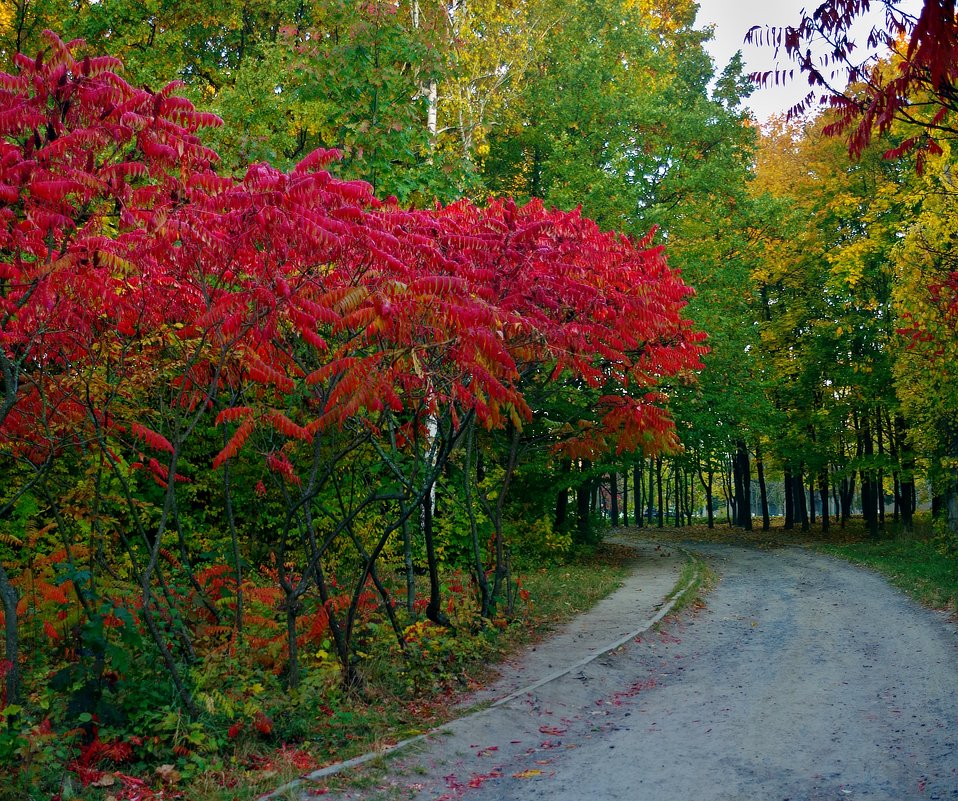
x: 527, y: 774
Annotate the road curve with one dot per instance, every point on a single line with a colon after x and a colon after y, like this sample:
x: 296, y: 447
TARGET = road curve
x: 803, y: 679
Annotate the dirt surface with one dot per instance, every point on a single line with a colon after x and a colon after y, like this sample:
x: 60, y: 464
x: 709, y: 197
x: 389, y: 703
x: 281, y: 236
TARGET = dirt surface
x: 804, y: 678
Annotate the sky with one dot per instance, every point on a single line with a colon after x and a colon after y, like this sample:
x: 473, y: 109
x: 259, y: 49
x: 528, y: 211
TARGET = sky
x: 733, y: 18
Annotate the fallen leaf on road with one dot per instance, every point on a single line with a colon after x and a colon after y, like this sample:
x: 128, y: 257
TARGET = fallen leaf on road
x: 552, y: 730
x: 527, y: 774
x: 478, y: 779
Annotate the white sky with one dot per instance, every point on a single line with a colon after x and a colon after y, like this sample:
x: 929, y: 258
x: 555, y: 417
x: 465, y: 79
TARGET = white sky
x: 732, y: 18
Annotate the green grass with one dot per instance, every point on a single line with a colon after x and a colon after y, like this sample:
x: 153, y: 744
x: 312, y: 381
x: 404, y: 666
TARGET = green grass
x: 915, y: 565
x: 912, y: 561
x: 560, y: 592
x: 695, y: 580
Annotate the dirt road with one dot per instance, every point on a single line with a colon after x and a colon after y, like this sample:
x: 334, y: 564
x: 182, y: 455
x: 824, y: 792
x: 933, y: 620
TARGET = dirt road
x: 804, y: 678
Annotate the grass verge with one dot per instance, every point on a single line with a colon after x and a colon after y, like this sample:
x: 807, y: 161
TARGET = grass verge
x: 915, y: 565
x: 388, y: 712
x: 695, y: 580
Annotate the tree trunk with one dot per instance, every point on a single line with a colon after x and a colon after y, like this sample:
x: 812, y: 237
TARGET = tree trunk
x: 562, y: 497
x: 727, y: 490
x: 9, y: 599
x: 743, y: 486
x: 950, y: 489
x: 614, y: 498
x: 880, y: 484
x: 846, y: 496
x: 637, y: 498
x: 676, y: 487
x: 906, y: 480
x: 789, y: 500
x: 658, y: 476
x: 478, y: 563
x: 869, y: 488
x: 583, y: 497
x: 433, y: 608
x: 811, y: 497
x: 762, y: 489
x: 798, y: 494
x: 625, y: 497
x: 292, y: 613
x: 823, y: 493
x: 709, y: 499
x: 650, y: 493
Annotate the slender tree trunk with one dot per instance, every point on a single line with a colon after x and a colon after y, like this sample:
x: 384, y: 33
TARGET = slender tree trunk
x: 743, y: 486
x: 350, y: 676
x: 762, y: 489
x: 234, y: 543
x: 823, y: 493
x: 637, y: 480
x: 562, y: 497
x: 433, y: 608
x: 906, y: 459
x: 677, y: 489
x: 811, y: 497
x: 9, y: 598
x: 846, y: 497
x: 614, y: 497
x: 709, y: 499
x: 658, y: 476
x: 789, y: 494
x: 502, y: 573
x: 836, y: 501
x: 896, y: 491
x: 293, y: 609
x: 727, y: 490
x: 583, y: 498
x: 668, y: 493
x: 798, y: 492
x: 625, y: 497
x: 485, y: 597
x: 651, y: 497
x: 869, y: 494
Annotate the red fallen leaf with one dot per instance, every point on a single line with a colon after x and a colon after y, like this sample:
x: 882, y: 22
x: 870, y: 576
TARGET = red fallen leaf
x: 552, y: 730
x: 487, y: 750
x: 479, y: 779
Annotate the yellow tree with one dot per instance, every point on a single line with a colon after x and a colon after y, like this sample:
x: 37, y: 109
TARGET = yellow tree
x: 827, y: 326
x: 925, y: 261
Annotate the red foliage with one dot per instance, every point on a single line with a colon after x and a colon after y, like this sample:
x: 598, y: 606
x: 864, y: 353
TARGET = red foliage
x: 263, y: 724
x: 134, y: 278
x: 928, y: 49
x: 414, y: 309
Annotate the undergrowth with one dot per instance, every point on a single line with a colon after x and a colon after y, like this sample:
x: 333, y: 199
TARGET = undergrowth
x: 293, y: 733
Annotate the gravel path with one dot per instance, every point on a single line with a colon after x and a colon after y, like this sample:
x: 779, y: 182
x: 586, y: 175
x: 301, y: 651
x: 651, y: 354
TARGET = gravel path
x: 804, y: 678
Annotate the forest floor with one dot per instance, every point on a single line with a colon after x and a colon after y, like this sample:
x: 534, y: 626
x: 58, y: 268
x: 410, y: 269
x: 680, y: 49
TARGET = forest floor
x: 799, y: 677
